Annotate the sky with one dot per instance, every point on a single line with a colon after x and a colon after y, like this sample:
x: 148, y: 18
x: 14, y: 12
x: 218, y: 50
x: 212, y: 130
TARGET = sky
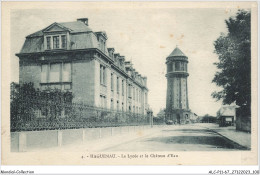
x: 146, y: 37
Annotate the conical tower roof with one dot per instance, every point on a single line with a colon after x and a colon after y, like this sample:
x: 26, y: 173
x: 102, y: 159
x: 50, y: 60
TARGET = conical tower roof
x: 177, y: 53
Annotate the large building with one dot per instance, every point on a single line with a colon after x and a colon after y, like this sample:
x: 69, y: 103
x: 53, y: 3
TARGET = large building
x: 177, y: 104
x: 72, y: 57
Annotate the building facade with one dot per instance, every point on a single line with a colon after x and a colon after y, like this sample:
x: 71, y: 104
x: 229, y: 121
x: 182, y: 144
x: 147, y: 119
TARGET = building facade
x: 177, y: 104
x: 71, y: 57
x: 227, y: 115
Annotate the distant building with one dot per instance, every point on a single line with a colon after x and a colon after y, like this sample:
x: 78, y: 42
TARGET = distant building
x: 177, y: 104
x: 194, y: 117
x: 227, y: 115
x: 72, y: 57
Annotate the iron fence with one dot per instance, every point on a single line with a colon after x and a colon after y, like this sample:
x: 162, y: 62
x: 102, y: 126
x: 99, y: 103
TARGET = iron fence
x: 32, y: 113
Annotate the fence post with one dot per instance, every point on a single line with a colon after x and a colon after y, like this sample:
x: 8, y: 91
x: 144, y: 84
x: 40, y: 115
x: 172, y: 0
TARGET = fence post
x: 59, y: 138
x: 22, y: 142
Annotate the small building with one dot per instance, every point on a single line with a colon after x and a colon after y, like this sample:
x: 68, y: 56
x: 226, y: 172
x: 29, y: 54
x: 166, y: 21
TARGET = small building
x: 70, y: 56
x: 227, y: 115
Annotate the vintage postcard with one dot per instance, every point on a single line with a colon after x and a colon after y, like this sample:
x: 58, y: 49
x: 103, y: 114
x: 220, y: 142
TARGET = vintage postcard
x: 129, y: 83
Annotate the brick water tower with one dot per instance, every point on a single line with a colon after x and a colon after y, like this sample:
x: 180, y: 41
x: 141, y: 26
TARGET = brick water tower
x: 177, y: 104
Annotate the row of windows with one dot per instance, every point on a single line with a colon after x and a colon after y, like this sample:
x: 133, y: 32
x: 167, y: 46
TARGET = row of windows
x: 131, y: 90
x: 117, y: 84
x: 117, y: 105
x: 179, y: 66
x: 103, y: 104
x: 56, y: 42
x: 135, y: 92
x: 56, y: 72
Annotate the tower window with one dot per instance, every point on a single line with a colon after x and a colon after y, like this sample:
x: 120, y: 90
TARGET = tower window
x: 177, y: 66
x: 182, y: 66
x: 169, y: 67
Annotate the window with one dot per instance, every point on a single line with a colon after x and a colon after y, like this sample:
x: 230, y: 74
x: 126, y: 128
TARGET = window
x: 55, y: 73
x: 66, y: 72
x: 117, y: 84
x: 63, y: 41
x: 122, y: 106
x: 48, y: 42
x: 177, y: 66
x: 139, y: 96
x: 133, y: 93
x: 117, y: 105
x: 123, y: 88
x: 102, y: 45
x: 129, y: 90
x: 102, y: 75
x: 102, y: 101
x: 112, y: 104
x: 182, y: 66
x: 44, y: 73
x: 112, y: 82
x: 56, y: 42
x: 169, y: 67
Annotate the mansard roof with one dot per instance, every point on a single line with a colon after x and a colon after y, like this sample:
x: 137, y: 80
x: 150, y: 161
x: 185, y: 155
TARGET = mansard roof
x: 177, y: 53
x: 84, y: 38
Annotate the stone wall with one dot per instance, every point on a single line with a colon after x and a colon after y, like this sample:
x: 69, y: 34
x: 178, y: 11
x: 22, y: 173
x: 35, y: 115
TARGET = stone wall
x: 33, y: 140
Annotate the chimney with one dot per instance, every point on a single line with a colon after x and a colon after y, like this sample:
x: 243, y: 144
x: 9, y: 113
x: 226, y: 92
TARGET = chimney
x: 84, y: 20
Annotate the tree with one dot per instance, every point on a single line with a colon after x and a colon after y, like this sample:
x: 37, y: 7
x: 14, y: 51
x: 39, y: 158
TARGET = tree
x: 234, y: 66
x: 25, y: 100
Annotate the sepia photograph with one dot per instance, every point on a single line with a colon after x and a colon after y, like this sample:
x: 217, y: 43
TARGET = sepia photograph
x: 131, y: 83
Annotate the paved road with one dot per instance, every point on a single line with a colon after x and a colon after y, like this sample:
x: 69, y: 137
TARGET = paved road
x: 179, y: 138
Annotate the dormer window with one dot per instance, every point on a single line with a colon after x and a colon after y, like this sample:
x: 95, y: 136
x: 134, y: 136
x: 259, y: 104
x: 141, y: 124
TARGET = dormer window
x: 102, y: 45
x: 102, y: 37
x: 56, y: 42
